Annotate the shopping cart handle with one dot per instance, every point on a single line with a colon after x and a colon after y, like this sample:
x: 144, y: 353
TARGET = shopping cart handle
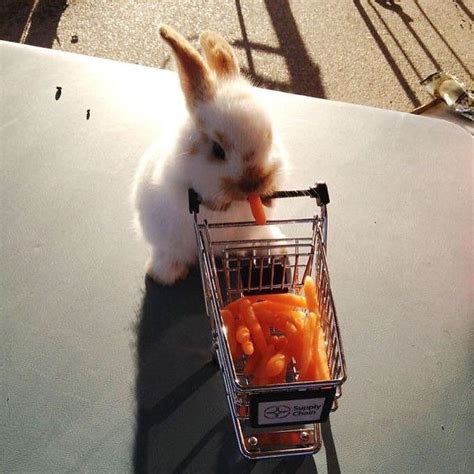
x: 319, y: 192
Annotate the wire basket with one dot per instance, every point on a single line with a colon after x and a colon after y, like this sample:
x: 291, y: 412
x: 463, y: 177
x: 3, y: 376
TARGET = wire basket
x: 279, y: 419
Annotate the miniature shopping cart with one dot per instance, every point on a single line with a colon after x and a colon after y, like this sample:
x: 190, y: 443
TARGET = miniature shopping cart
x: 280, y: 419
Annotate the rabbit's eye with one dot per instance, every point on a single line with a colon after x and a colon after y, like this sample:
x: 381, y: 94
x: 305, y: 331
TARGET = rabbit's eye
x: 218, y: 151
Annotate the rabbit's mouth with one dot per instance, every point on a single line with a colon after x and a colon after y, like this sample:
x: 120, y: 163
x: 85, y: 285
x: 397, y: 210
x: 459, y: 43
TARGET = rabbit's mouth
x: 254, y: 179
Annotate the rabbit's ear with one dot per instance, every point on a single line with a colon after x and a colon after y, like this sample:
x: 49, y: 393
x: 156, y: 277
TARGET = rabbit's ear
x: 219, y: 55
x: 195, y: 76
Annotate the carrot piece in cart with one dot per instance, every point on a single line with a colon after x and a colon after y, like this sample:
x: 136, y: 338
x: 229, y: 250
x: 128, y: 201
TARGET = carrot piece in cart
x: 294, y: 342
x: 289, y: 299
x: 261, y: 377
x: 322, y: 365
x: 281, y: 377
x: 273, y: 306
x: 258, y: 211
x: 253, y: 324
x: 275, y: 365
x: 307, y: 349
x: 309, y: 287
x: 312, y: 371
x: 229, y: 324
x: 242, y: 334
x: 248, y: 348
x: 272, y: 340
x: 281, y: 343
x: 251, y: 364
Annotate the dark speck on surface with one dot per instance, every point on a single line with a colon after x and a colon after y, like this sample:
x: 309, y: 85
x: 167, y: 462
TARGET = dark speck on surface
x: 88, y: 114
x: 442, y: 427
x: 74, y: 39
x: 58, y: 92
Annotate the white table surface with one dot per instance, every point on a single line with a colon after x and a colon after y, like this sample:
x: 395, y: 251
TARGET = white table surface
x: 85, y: 338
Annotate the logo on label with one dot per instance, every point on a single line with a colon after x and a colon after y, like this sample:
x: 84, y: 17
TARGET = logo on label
x: 298, y: 410
x: 277, y: 412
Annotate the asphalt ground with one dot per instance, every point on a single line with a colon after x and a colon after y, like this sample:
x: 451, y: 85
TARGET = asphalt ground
x: 370, y: 52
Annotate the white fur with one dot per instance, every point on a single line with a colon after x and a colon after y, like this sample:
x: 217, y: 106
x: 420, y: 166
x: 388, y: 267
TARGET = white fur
x: 168, y: 170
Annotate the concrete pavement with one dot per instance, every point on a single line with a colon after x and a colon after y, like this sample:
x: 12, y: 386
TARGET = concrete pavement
x: 371, y: 52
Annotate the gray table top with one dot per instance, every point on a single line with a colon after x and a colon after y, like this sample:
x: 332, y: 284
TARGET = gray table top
x: 103, y: 370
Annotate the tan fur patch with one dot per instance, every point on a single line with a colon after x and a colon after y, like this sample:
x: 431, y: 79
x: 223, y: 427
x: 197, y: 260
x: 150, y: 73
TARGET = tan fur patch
x: 254, y: 179
x: 194, y: 74
x: 249, y: 156
x: 219, y: 54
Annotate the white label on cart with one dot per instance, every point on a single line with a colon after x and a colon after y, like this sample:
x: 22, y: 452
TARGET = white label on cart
x: 290, y: 411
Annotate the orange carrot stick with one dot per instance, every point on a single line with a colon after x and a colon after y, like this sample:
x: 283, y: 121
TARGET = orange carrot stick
x: 235, y: 306
x: 281, y: 377
x: 251, y: 364
x: 310, y: 293
x: 275, y: 365
x: 294, y: 343
x: 281, y: 343
x: 229, y: 324
x: 258, y: 211
x: 272, y: 340
x: 260, y: 374
x: 255, y: 329
x: 272, y: 306
x: 248, y: 348
x: 242, y: 334
x: 296, y: 317
x: 322, y: 365
x: 289, y: 299
x: 308, y: 348
x: 311, y: 373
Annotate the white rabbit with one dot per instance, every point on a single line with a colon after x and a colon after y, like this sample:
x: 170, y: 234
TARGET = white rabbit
x: 225, y: 148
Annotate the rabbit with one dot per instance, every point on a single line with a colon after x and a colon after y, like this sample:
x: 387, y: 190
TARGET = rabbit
x: 224, y: 147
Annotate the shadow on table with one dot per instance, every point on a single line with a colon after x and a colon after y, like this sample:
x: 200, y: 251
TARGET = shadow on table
x: 174, y: 375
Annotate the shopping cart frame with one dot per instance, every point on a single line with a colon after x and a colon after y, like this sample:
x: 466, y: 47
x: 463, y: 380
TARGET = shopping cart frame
x: 219, y: 261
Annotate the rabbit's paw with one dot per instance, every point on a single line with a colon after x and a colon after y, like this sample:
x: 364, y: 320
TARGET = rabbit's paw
x: 166, y: 271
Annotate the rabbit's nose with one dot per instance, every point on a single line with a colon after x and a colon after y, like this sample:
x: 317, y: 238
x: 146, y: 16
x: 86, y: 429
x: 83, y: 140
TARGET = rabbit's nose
x: 249, y: 186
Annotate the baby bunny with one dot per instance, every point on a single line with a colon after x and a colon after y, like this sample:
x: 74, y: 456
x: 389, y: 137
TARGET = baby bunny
x: 224, y: 148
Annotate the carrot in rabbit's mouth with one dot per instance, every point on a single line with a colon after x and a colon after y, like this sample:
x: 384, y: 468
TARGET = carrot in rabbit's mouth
x: 258, y: 211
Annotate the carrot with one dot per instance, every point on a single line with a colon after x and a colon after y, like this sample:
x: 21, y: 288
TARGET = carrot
x: 248, y: 348
x: 281, y: 343
x: 296, y: 317
x: 294, y: 342
x: 242, y: 334
x: 311, y: 372
x: 321, y: 360
x: 235, y: 306
x: 307, y: 346
x: 272, y: 340
x: 261, y: 377
x: 275, y: 365
x: 289, y: 299
x: 229, y: 324
x: 255, y: 329
x: 309, y: 287
x: 258, y: 211
x: 251, y: 364
x: 272, y: 306
x: 281, y: 377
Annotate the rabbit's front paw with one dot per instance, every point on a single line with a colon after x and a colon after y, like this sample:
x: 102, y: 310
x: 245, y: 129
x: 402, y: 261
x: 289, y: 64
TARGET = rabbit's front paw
x: 166, y: 271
